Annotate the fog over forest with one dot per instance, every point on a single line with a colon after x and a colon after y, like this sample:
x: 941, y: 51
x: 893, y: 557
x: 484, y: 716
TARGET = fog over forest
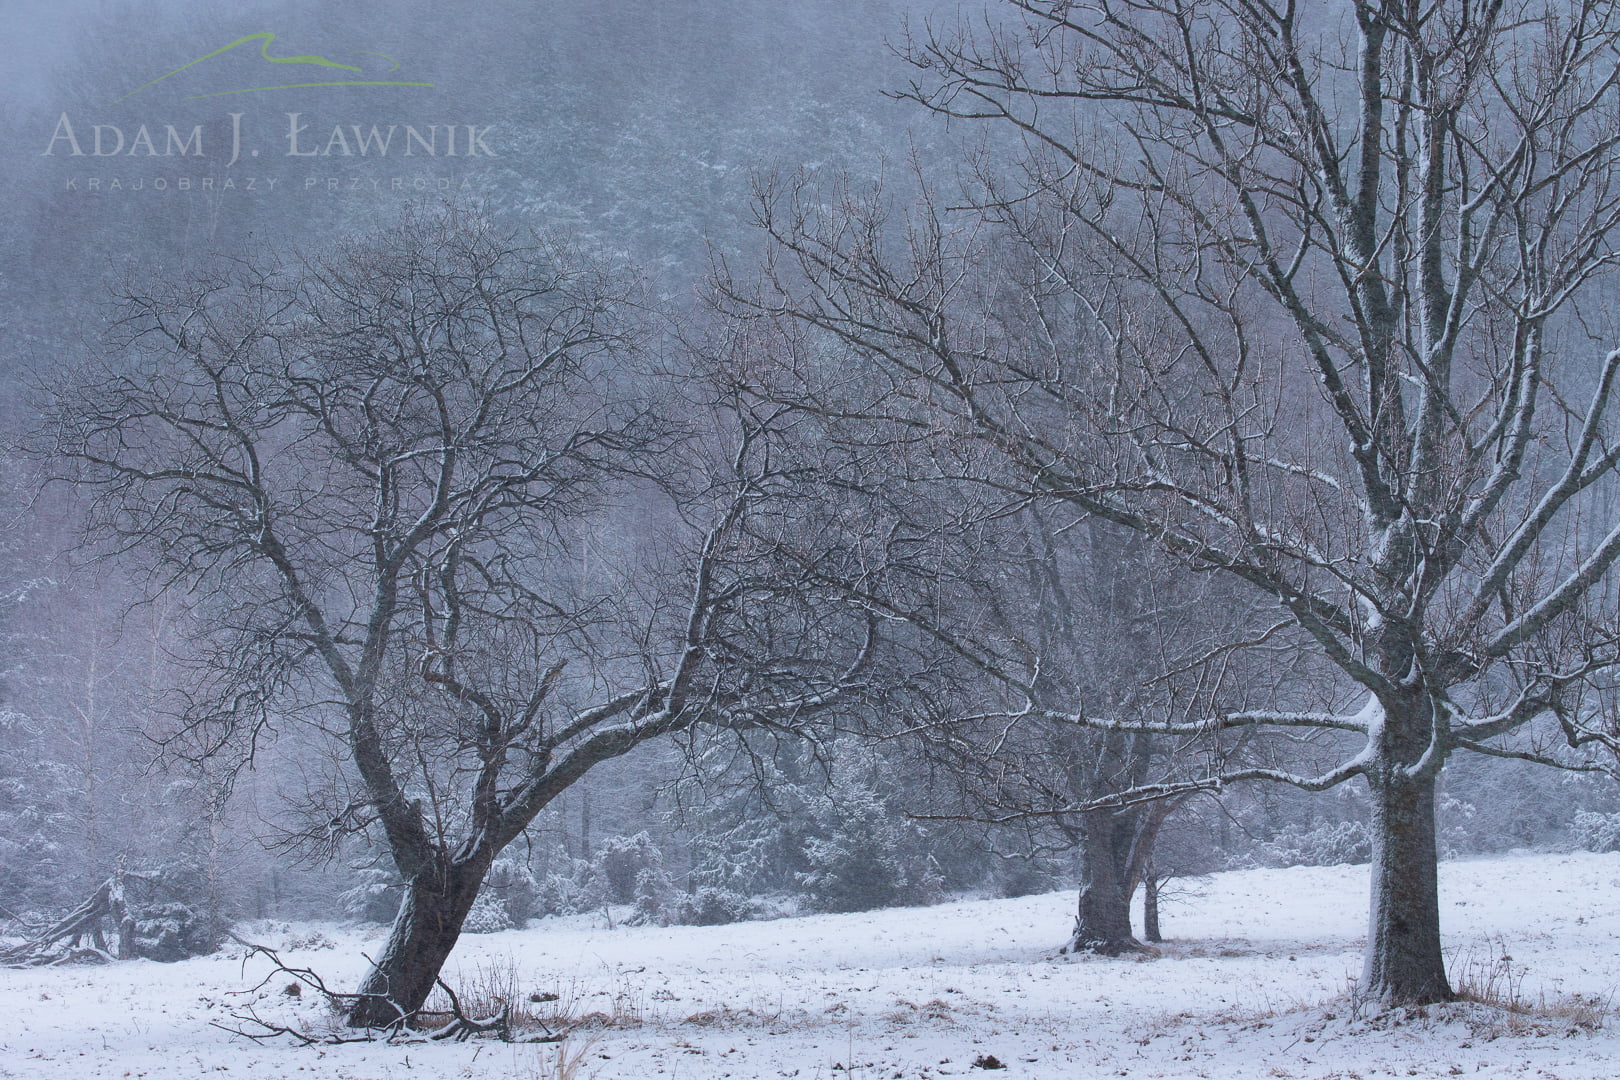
x: 469, y: 466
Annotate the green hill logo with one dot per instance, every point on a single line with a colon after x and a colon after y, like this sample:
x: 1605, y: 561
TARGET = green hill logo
x: 294, y: 72
x: 253, y: 65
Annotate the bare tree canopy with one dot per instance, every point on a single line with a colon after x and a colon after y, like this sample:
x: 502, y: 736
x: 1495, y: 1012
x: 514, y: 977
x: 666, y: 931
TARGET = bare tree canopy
x: 418, y: 491
x: 1313, y: 297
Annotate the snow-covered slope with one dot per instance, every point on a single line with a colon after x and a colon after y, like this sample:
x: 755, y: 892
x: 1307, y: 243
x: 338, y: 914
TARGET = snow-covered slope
x: 1253, y: 983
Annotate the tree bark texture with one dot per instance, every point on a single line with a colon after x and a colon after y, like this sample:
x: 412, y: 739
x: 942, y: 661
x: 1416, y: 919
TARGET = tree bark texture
x: 435, y: 905
x: 1102, y: 921
x: 1404, y: 964
x: 1150, y: 905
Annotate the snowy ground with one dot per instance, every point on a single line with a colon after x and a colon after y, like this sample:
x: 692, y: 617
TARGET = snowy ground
x: 1253, y: 984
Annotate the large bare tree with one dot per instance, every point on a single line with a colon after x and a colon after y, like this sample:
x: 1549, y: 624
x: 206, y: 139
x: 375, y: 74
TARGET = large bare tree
x: 1315, y: 296
x: 1006, y: 597
x: 1086, y: 614
x: 421, y: 493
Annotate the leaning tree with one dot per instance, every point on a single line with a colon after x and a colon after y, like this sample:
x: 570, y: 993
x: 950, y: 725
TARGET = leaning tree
x: 1311, y: 296
x: 422, y: 496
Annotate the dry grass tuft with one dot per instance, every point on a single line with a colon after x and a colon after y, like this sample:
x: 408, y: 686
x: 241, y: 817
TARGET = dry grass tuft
x: 498, y: 984
x: 566, y: 1061
x: 1497, y: 982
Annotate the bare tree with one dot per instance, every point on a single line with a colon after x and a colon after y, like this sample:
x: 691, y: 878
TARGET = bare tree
x: 1089, y: 615
x: 421, y: 497
x: 1308, y: 297
x: 1059, y: 613
x: 1009, y: 597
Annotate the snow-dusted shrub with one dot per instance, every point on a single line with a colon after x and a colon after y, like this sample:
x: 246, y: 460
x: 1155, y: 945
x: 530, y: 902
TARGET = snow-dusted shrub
x: 653, y: 891
x: 172, y: 931
x: 177, y: 912
x: 867, y: 857
x: 749, y: 815
x: 761, y: 854
x: 1025, y: 877
x: 1457, y: 823
x: 306, y: 940
x: 511, y: 882
x: 852, y: 873
x: 620, y: 864
x: 1327, y: 844
x: 567, y: 891
x: 488, y: 915
x: 1596, y: 832
x: 373, y: 897
x: 711, y: 906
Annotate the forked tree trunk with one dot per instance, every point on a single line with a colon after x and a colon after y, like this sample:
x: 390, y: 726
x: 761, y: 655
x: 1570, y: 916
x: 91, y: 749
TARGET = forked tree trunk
x: 435, y: 905
x: 1102, y: 922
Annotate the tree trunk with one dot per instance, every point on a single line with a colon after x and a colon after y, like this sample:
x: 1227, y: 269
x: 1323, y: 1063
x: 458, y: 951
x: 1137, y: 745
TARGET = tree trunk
x: 123, y: 919
x: 1102, y: 921
x: 429, y: 922
x: 1150, y: 904
x: 1149, y: 820
x: 1404, y: 964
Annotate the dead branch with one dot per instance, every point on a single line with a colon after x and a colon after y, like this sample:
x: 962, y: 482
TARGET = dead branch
x: 338, y: 999
x: 460, y: 1028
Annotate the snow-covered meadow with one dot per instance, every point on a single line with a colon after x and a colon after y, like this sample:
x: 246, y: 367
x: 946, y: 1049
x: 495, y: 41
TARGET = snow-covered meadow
x: 1253, y: 982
